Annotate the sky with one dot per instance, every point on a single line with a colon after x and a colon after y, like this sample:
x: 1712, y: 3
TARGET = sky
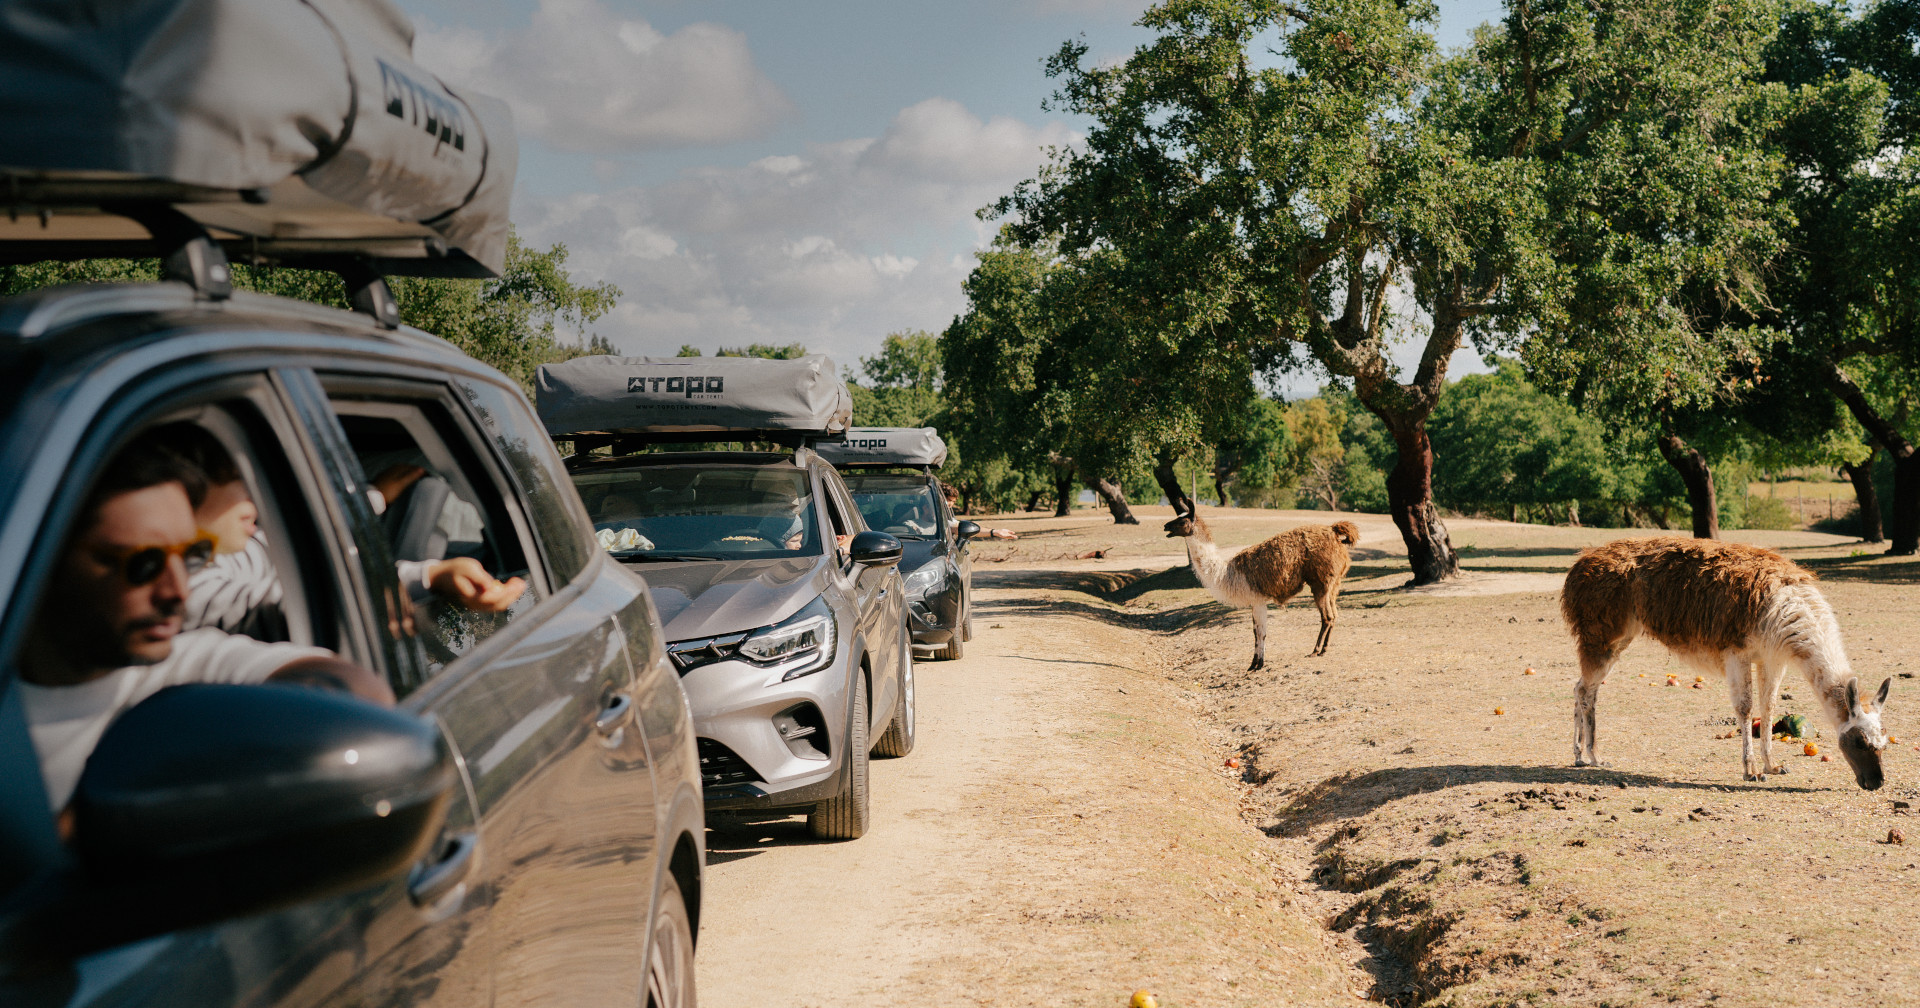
x: 778, y: 171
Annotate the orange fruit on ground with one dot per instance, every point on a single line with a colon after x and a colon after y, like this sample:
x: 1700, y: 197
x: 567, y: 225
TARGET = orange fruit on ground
x: 1143, y: 999
x: 1499, y: 710
x: 1810, y: 749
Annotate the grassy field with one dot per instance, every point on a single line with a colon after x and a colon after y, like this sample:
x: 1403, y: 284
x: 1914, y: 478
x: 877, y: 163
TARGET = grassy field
x: 1426, y: 779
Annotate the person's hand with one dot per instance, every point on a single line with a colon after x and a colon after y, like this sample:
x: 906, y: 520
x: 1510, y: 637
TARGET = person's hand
x: 394, y: 480
x: 1003, y: 533
x: 465, y: 581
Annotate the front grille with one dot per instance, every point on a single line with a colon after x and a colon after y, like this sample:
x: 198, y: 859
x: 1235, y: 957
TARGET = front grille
x: 721, y: 767
x: 691, y: 654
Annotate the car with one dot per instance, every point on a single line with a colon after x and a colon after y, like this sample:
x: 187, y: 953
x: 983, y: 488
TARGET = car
x: 890, y: 471
x: 524, y: 823
x: 784, y: 614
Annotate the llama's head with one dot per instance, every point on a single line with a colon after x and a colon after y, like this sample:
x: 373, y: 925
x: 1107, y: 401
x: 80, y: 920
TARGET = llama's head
x: 1861, y: 738
x: 1182, y: 523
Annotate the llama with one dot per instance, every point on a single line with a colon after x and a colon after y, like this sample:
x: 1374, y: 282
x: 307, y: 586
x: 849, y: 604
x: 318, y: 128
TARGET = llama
x: 1737, y: 611
x: 1314, y: 555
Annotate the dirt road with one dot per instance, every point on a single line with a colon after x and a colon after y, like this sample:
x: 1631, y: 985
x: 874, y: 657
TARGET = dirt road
x: 1063, y: 834
x: 1404, y: 823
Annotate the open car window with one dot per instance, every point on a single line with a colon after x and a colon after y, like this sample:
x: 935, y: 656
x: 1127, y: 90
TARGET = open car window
x: 438, y: 502
x: 705, y: 512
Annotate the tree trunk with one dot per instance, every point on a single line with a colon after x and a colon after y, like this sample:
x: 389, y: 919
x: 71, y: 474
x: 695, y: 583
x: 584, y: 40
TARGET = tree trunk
x: 1223, y: 470
x: 1661, y: 519
x: 1906, y: 464
x: 1573, y: 513
x: 1513, y: 512
x: 1169, y: 481
x: 1861, y: 476
x: 1116, y: 498
x: 1033, y: 500
x: 1063, y: 491
x: 1410, y: 501
x: 1698, y: 476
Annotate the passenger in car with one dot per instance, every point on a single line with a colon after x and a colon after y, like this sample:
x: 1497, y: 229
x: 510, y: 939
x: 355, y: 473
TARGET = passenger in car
x: 110, y: 630
x: 238, y: 590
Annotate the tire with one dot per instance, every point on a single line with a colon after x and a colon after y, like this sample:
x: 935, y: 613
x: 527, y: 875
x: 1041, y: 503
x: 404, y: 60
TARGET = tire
x: 670, y: 962
x: 966, y: 620
x: 844, y: 816
x: 897, y: 741
x: 953, y: 648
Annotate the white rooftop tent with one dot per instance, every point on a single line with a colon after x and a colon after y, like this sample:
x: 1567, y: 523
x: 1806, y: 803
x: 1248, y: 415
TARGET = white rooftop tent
x: 888, y: 446
x: 679, y: 398
x: 288, y: 131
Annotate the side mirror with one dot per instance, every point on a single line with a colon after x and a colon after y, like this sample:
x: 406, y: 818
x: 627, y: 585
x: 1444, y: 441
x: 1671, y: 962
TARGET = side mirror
x: 207, y: 802
x: 875, y: 549
x: 968, y: 530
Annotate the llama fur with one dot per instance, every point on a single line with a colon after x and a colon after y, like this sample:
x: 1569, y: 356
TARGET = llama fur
x: 1275, y: 570
x: 1739, y: 612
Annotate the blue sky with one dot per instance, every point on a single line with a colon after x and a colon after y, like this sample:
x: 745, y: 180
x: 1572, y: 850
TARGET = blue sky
x: 776, y: 170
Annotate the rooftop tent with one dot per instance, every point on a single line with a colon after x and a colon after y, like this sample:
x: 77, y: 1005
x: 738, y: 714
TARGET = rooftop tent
x: 693, y: 395
x: 888, y: 446
x: 289, y: 131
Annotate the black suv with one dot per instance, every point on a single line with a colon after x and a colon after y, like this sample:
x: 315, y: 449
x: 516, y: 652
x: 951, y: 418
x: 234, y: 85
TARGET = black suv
x: 524, y: 827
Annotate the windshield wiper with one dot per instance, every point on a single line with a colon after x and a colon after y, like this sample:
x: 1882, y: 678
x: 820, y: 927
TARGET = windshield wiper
x: 668, y: 556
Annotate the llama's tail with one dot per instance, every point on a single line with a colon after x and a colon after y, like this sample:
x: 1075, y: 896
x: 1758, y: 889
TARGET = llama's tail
x: 1346, y: 531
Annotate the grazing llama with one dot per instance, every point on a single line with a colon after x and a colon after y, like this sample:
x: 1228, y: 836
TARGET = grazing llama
x: 1726, y: 609
x: 1314, y: 555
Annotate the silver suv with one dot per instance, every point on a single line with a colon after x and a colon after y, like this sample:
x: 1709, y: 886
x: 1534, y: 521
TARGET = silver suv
x: 784, y: 614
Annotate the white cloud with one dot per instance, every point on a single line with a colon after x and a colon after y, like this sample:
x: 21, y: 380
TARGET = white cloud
x: 833, y: 246
x: 585, y: 79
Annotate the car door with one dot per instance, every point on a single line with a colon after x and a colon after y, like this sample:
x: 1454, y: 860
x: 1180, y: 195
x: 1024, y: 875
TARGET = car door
x: 375, y: 946
x: 540, y: 698
x: 959, y: 550
x: 877, y: 598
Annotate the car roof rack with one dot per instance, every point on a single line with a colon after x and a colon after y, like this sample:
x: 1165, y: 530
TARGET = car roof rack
x: 285, y: 134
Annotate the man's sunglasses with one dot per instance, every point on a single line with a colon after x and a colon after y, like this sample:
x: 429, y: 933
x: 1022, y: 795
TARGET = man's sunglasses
x: 140, y: 565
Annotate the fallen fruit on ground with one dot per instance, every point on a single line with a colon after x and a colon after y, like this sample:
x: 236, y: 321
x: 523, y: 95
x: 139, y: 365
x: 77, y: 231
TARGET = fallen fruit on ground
x: 1231, y: 763
x: 1527, y: 672
x: 1499, y: 710
x: 1895, y: 836
x: 1143, y: 999
x: 1810, y: 749
x: 1826, y: 759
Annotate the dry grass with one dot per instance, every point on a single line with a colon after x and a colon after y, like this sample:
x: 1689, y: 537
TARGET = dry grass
x: 1460, y: 851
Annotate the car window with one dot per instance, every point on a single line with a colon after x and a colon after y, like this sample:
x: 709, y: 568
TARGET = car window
x: 899, y: 505
x: 713, y: 512
x: 114, y: 622
x: 559, y: 524
x: 439, y: 504
x: 841, y: 516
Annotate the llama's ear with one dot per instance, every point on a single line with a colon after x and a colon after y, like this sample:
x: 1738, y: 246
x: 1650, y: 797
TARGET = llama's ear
x: 1853, y: 694
x: 1880, y: 698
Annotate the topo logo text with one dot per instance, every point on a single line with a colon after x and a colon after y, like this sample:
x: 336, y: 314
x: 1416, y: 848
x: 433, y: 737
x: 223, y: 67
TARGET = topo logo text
x: 687, y: 385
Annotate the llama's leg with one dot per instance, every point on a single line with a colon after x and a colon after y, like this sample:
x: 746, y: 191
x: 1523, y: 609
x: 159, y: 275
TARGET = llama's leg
x: 1740, y: 687
x: 1259, y: 635
x: 1767, y: 688
x: 1323, y: 597
x: 1596, y: 661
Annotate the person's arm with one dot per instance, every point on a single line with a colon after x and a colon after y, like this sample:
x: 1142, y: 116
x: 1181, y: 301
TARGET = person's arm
x: 336, y: 675
x: 467, y: 581
x: 226, y: 592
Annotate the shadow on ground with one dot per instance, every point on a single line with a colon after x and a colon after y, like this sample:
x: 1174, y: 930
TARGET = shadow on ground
x: 1352, y: 795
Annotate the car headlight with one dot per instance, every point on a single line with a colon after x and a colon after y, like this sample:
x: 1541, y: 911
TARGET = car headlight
x: 804, y: 640
x: 927, y: 580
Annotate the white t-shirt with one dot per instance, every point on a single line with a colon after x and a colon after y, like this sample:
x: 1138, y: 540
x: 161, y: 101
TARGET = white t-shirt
x: 66, y: 722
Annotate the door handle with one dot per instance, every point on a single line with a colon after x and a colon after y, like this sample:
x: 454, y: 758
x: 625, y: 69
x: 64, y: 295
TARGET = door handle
x: 430, y: 882
x: 619, y: 707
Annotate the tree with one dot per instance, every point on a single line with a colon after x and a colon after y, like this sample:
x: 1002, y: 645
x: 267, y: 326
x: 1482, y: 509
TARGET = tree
x: 1501, y: 443
x: 901, y: 385
x: 511, y: 322
x: 1365, y: 190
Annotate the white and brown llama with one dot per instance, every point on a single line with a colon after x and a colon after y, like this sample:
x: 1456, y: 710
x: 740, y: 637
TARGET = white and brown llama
x: 1725, y: 609
x: 1311, y: 555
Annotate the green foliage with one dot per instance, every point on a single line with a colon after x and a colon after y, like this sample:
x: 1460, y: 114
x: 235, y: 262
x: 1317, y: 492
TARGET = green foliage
x: 511, y: 322
x: 1498, y: 442
x: 769, y: 351
x: 902, y: 383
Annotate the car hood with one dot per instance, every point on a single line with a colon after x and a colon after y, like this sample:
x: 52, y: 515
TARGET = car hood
x: 707, y: 598
x: 915, y: 552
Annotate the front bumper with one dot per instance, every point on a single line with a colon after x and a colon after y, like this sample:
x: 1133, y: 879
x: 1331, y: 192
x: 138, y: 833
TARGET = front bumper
x: 764, y: 743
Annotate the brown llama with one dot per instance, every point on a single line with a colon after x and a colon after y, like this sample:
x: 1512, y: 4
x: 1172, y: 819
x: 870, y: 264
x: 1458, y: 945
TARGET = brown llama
x: 1737, y: 611
x: 1313, y: 555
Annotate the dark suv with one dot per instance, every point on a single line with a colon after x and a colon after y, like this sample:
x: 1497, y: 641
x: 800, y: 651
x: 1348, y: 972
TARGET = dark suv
x: 525, y: 827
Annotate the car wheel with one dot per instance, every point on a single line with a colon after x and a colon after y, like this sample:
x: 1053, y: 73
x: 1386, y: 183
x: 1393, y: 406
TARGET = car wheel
x: 844, y: 816
x: 898, y: 740
x: 670, y: 966
x: 966, y: 622
x: 954, y: 647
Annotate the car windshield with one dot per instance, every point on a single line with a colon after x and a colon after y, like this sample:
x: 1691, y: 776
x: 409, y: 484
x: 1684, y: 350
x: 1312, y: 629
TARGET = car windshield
x: 701, y: 512
x: 897, y: 504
